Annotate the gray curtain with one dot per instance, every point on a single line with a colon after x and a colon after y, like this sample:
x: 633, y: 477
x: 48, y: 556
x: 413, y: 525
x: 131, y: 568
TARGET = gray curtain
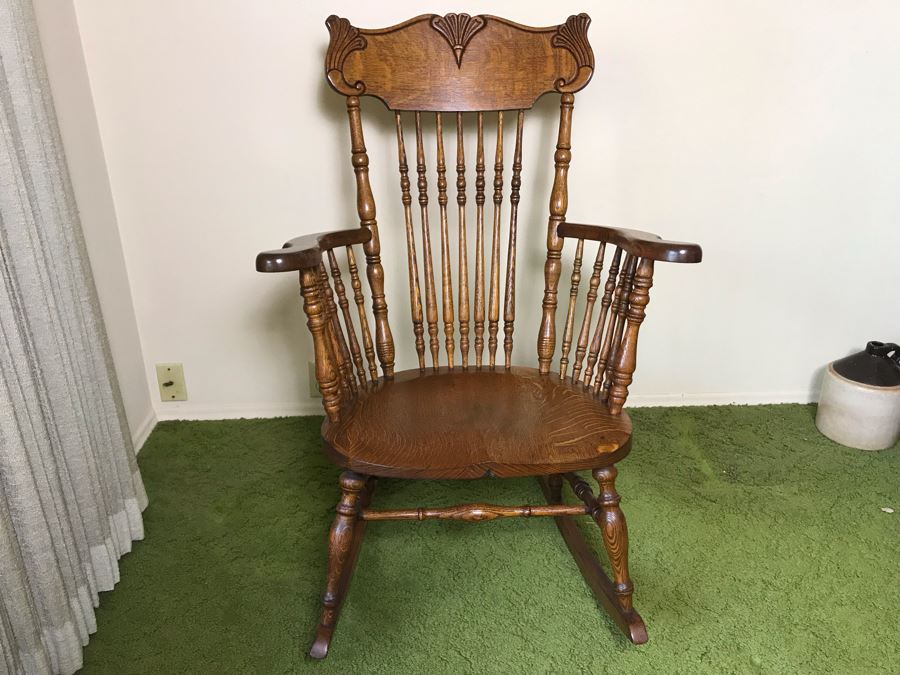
x: 70, y: 493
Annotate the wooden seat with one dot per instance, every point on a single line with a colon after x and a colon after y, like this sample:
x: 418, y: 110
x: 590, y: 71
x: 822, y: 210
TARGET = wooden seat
x: 475, y: 424
x: 467, y: 411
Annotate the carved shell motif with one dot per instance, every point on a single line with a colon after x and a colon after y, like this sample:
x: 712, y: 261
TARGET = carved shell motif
x: 572, y: 36
x: 344, y: 39
x: 458, y: 30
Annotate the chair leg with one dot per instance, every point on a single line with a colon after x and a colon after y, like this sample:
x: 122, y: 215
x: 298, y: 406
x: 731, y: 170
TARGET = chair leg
x: 343, y: 549
x: 554, y: 484
x: 615, y: 532
x: 611, y: 595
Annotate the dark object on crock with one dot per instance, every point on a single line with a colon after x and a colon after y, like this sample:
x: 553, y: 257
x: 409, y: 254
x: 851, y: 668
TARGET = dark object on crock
x: 877, y: 366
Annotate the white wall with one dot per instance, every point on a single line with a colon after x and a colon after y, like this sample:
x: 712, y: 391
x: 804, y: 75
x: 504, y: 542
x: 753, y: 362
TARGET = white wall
x: 766, y: 131
x: 68, y: 76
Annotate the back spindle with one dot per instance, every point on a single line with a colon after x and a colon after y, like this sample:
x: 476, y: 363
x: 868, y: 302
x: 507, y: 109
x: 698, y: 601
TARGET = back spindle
x: 509, y: 305
x: 584, y: 334
x: 446, y: 274
x: 605, y: 302
x: 616, y: 327
x: 415, y: 299
x: 570, y: 314
x: 479, y: 243
x: 335, y: 334
x: 494, y: 307
x: 463, y: 247
x: 358, y: 298
x: 430, y: 296
x: 344, y: 304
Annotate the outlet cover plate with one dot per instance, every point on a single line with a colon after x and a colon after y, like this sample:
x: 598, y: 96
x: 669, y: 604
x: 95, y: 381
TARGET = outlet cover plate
x: 170, y: 377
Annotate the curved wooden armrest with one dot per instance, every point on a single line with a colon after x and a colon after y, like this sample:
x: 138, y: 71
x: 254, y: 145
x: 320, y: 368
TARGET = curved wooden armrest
x: 306, y: 251
x: 643, y: 244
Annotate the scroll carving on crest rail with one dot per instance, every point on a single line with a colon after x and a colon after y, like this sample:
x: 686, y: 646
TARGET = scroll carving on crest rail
x: 572, y: 36
x: 458, y: 30
x: 345, y: 39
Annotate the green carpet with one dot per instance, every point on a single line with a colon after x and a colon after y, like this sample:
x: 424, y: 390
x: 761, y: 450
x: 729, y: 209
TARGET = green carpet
x: 758, y: 546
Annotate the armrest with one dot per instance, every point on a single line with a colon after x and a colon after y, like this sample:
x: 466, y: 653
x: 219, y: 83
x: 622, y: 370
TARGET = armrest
x: 643, y: 244
x: 306, y: 251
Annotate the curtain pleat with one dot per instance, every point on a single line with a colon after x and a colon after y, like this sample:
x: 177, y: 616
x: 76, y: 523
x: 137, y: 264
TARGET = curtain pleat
x: 70, y: 493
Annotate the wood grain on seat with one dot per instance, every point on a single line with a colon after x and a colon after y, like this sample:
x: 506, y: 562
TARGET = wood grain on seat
x: 455, y: 424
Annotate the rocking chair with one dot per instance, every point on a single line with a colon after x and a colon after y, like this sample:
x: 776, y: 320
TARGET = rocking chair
x: 466, y: 415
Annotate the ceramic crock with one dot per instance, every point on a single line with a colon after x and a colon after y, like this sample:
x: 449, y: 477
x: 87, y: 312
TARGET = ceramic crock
x: 859, y: 405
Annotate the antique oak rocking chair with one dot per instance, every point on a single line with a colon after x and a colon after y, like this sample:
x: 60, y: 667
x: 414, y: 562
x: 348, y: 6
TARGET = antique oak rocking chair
x: 472, y: 415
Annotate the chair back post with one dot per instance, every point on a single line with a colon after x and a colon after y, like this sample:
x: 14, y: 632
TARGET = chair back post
x: 365, y: 207
x: 559, y: 203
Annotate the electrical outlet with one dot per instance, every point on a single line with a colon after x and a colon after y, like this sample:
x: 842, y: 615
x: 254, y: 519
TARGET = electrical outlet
x: 314, y: 391
x: 170, y: 377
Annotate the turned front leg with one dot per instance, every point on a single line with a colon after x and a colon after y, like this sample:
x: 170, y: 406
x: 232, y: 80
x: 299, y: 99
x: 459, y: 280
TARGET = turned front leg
x: 341, y: 556
x: 615, y: 532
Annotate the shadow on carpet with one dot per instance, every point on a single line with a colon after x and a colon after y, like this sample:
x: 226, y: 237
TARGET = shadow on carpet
x: 757, y: 546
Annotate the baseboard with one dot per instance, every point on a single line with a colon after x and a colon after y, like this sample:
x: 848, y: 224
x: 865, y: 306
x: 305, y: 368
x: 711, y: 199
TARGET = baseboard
x: 228, y: 411
x: 139, y: 436
x: 231, y: 411
x: 721, y: 398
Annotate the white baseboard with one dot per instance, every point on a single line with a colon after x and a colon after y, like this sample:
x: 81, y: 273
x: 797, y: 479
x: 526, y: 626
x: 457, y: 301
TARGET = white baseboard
x: 228, y: 411
x: 139, y: 436
x: 231, y: 411
x: 719, y: 398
